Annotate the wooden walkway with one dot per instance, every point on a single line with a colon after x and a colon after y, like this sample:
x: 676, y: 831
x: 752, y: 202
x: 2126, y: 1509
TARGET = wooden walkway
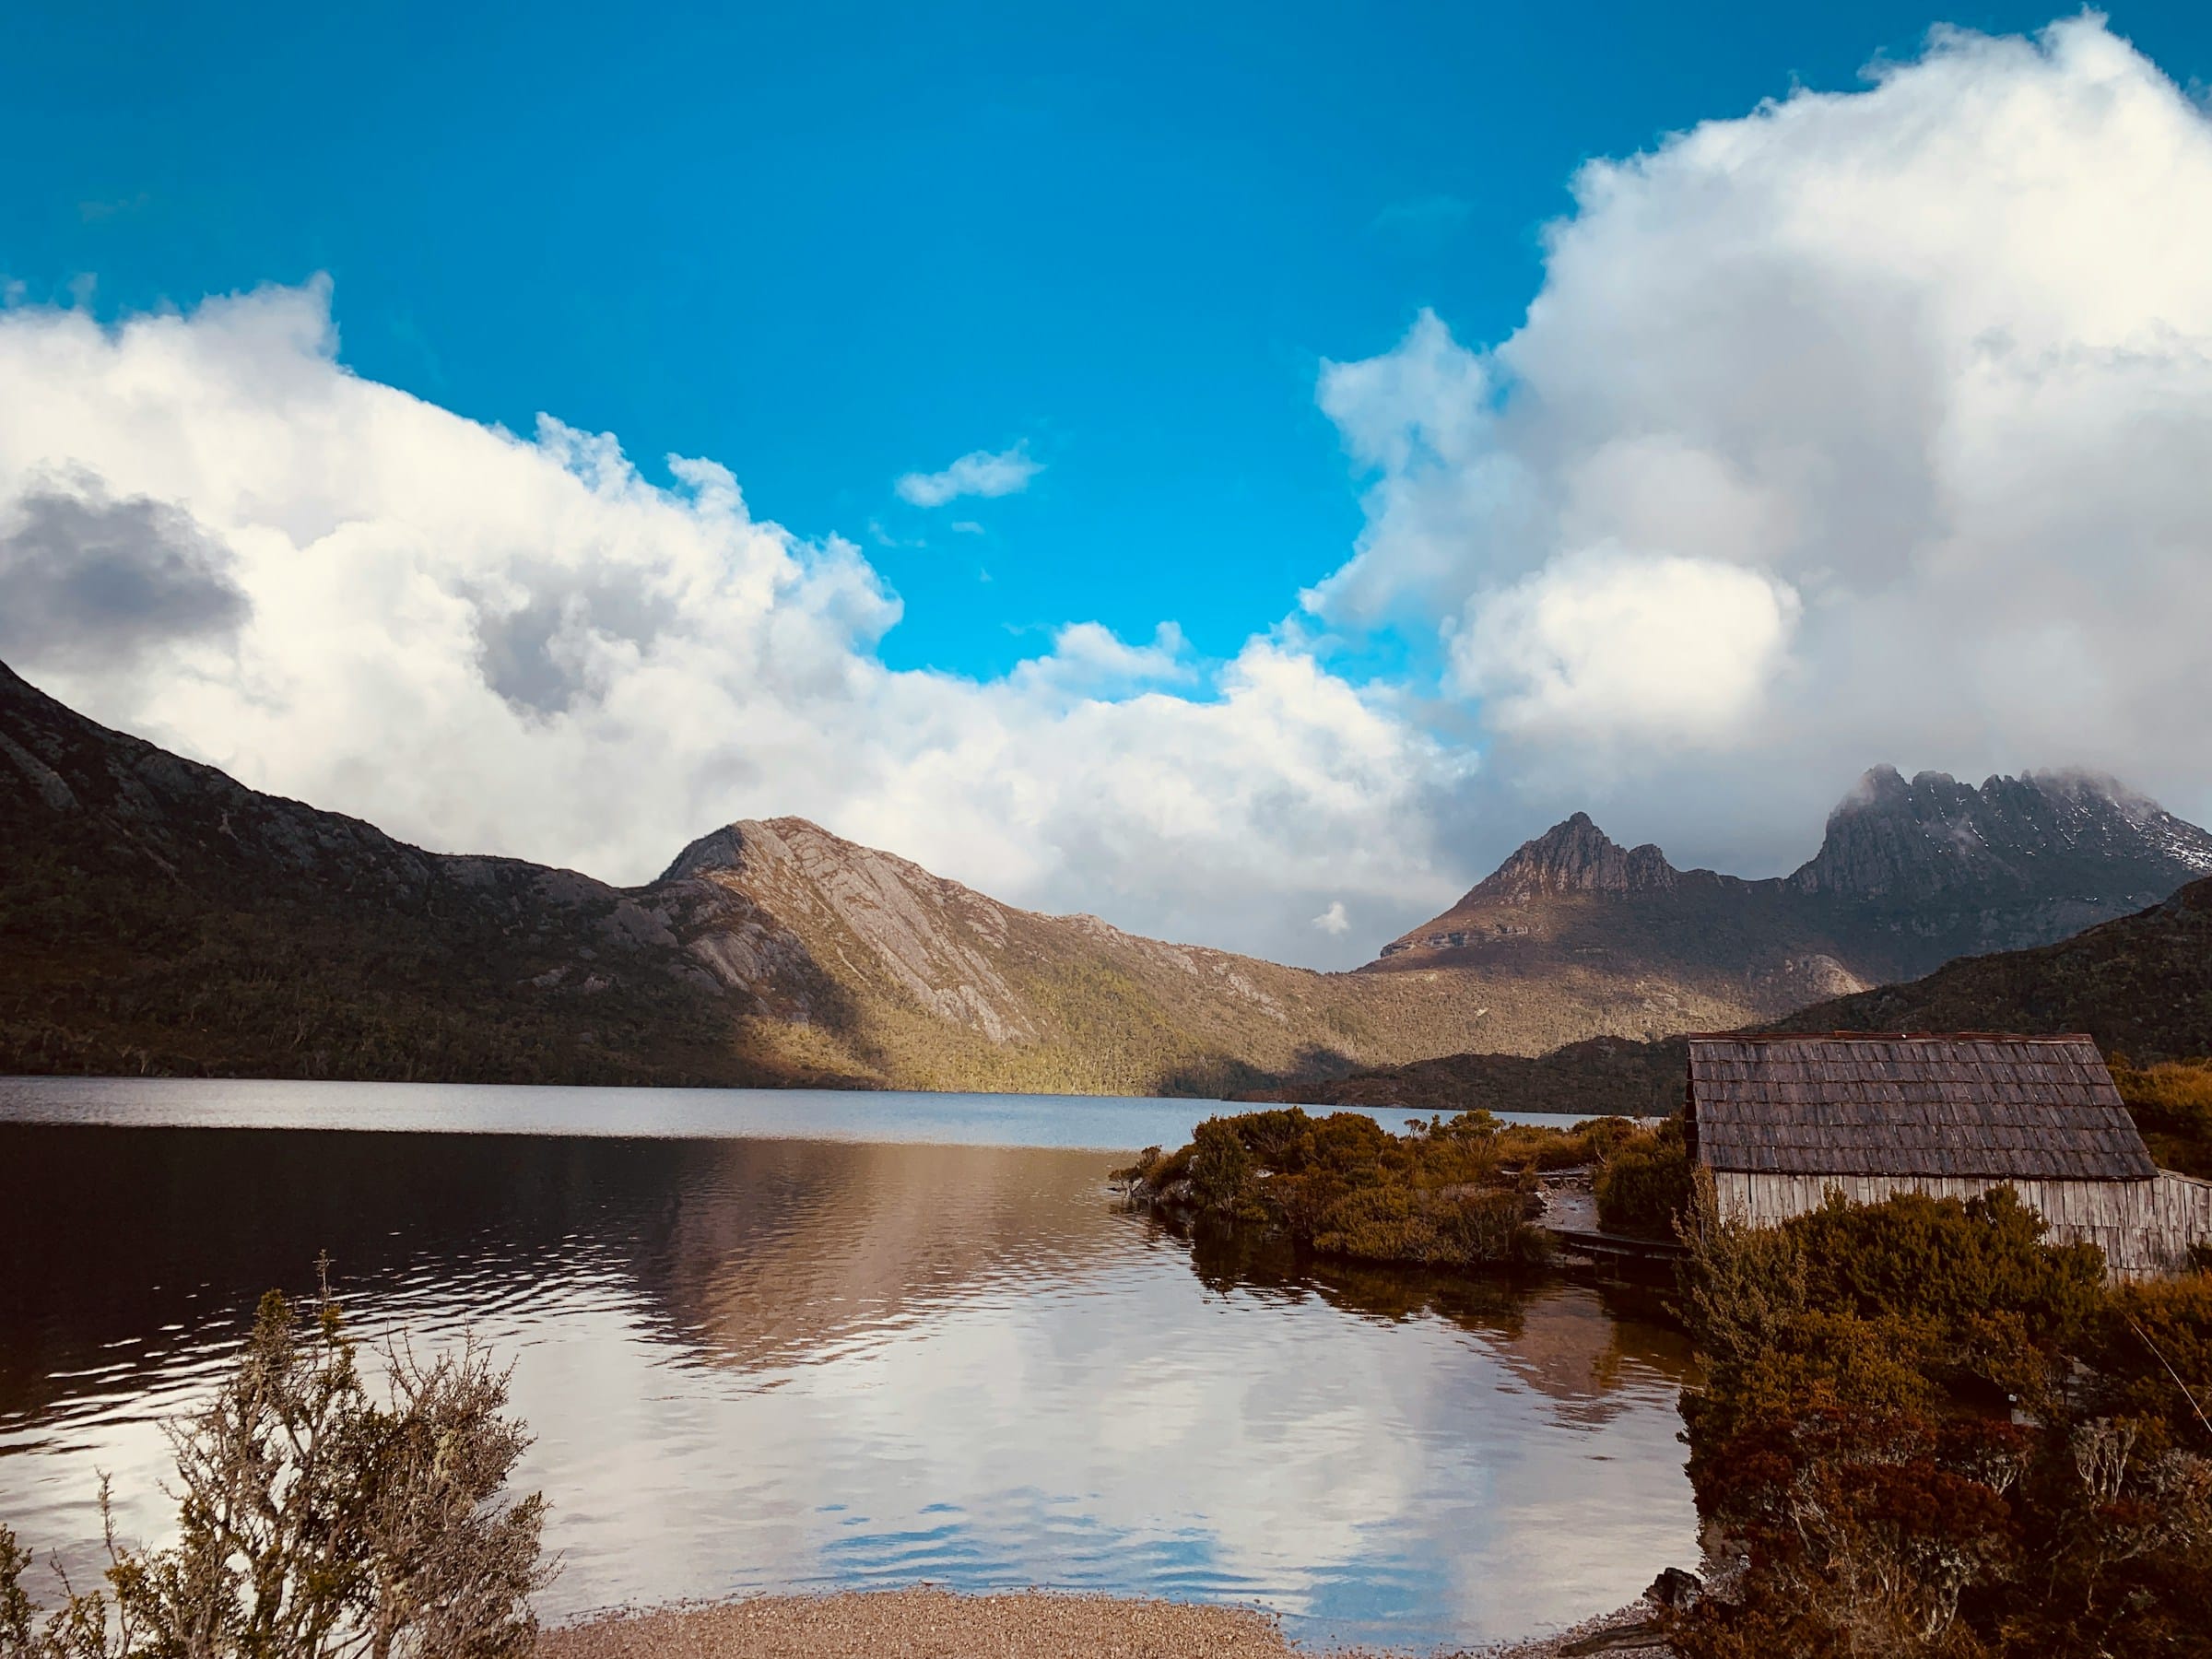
x: 1571, y: 1218
x: 1618, y: 1246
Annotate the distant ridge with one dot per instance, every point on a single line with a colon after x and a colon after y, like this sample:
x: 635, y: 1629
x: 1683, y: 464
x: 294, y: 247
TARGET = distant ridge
x: 2139, y: 985
x: 1908, y: 875
x: 156, y: 916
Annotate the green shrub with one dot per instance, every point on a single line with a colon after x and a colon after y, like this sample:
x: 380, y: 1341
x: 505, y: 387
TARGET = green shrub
x: 2172, y: 1103
x: 1450, y: 1192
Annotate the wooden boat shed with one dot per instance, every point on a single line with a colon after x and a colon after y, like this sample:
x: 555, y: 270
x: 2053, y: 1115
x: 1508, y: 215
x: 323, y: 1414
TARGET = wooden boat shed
x: 1784, y: 1120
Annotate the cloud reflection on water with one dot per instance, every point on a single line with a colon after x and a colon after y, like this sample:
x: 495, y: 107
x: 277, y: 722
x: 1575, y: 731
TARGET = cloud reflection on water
x: 755, y: 1364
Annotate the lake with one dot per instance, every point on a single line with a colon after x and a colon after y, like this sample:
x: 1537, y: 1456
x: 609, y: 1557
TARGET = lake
x: 770, y: 1340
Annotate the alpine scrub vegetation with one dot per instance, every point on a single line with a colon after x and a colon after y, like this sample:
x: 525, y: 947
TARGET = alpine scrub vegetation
x: 1644, y: 1183
x: 315, y: 1522
x: 2172, y: 1103
x: 1457, y: 1191
x: 1925, y: 1431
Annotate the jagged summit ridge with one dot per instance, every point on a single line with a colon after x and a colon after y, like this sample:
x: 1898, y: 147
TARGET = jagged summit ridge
x: 2071, y: 834
x: 1574, y: 856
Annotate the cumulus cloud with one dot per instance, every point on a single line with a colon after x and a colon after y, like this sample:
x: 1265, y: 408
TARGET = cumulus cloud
x: 483, y: 640
x: 1333, y: 921
x: 1603, y: 642
x: 977, y: 473
x: 1868, y: 425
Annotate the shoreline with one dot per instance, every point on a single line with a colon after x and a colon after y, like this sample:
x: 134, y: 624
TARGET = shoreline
x: 927, y: 1622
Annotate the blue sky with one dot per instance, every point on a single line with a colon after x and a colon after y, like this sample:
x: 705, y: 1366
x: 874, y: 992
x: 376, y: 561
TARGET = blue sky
x: 1840, y: 418
x: 829, y: 245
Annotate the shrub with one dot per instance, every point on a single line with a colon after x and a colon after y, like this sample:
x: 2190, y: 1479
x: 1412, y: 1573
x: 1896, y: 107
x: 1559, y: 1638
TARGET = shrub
x: 2172, y: 1103
x: 1450, y: 1192
x: 1644, y: 1180
x: 316, y: 1522
x: 1853, y: 1447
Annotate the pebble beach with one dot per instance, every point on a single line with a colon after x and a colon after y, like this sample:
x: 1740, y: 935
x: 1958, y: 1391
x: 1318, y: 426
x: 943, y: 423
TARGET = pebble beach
x: 928, y: 1623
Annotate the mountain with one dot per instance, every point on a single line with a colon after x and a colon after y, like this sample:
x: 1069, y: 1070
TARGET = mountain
x: 2141, y: 985
x: 1908, y: 875
x: 158, y: 916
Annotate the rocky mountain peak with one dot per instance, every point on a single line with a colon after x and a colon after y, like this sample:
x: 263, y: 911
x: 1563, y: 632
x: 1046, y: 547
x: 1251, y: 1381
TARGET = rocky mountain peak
x: 1895, y: 840
x: 1576, y: 856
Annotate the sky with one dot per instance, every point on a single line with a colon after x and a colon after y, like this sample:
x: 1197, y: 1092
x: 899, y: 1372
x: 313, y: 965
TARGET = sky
x: 1236, y: 474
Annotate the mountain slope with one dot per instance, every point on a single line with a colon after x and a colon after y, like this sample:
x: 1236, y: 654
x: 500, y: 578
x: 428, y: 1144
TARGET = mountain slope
x: 2141, y: 985
x: 949, y: 989
x: 156, y: 916
x: 1908, y: 876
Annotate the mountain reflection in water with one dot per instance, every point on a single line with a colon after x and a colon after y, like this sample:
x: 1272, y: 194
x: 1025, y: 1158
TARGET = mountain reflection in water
x: 764, y: 1364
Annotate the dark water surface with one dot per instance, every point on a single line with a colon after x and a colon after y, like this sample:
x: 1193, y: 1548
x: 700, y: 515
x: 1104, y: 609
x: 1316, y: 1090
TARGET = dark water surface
x: 767, y: 1364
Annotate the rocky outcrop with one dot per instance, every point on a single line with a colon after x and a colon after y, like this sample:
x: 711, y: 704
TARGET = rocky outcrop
x: 2046, y: 838
x: 1576, y: 856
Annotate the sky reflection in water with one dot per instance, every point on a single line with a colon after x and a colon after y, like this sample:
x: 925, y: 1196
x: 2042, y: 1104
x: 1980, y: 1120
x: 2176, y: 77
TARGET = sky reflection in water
x: 758, y: 1364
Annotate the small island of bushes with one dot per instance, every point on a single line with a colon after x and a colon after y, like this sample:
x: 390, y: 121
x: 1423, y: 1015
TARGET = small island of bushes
x: 1459, y: 1192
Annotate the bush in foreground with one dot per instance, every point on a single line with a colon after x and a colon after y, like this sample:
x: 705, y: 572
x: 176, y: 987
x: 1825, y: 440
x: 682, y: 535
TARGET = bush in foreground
x: 316, y: 1522
x: 1922, y: 1430
x: 2172, y: 1103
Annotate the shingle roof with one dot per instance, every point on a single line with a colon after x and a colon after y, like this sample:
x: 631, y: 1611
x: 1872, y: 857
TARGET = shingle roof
x: 1968, y: 1104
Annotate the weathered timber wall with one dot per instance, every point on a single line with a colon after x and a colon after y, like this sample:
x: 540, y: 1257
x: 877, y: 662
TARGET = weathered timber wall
x: 2143, y: 1227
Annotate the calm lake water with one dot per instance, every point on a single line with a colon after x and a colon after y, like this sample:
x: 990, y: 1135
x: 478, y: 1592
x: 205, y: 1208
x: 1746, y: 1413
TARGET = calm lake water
x: 778, y: 1340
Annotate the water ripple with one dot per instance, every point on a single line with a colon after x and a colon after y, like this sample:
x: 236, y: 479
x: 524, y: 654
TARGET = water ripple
x: 764, y: 1364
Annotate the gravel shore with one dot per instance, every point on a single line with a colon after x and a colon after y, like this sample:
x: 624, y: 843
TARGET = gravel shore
x: 927, y: 1623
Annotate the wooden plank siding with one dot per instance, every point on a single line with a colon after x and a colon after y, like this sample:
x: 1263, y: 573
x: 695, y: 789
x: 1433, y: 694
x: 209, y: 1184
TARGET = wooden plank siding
x: 1784, y: 1120
x: 2143, y: 1227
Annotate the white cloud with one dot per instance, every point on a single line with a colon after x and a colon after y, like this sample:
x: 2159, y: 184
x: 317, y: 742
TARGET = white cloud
x: 1601, y: 643
x: 485, y: 642
x: 1333, y: 921
x: 1868, y: 425
x: 978, y: 473
x: 1089, y: 656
